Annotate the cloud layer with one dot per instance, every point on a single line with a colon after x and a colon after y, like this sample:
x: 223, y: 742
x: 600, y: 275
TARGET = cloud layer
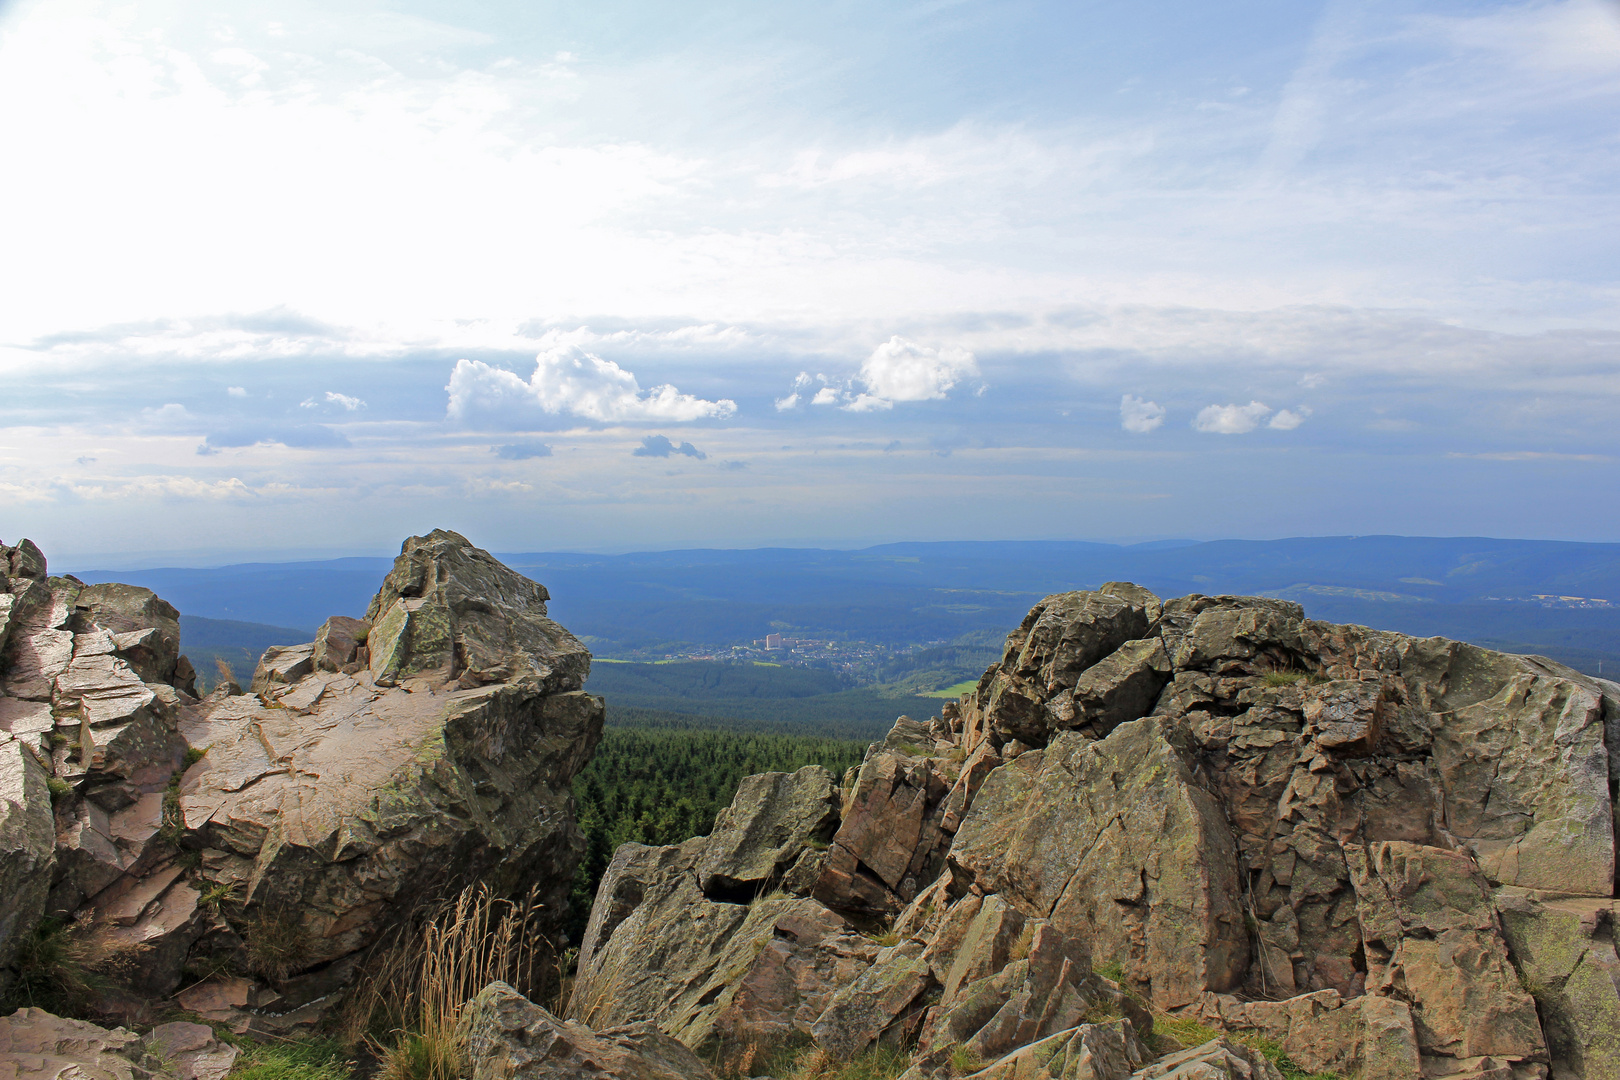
x: 567, y: 380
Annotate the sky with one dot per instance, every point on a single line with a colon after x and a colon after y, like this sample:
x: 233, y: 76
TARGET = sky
x: 292, y: 279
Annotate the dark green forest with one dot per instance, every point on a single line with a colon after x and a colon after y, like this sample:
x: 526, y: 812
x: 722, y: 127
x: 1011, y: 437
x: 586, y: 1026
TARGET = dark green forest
x: 662, y: 785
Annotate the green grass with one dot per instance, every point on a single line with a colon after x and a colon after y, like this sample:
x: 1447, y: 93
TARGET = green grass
x: 301, y: 1059
x: 952, y: 692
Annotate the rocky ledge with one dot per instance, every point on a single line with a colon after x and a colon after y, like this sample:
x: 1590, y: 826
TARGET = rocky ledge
x: 276, y: 834
x: 1158, y: 835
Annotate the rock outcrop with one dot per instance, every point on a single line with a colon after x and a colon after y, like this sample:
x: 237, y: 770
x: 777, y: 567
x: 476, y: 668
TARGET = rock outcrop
x: 1380, y: 855
x: 276, y: 835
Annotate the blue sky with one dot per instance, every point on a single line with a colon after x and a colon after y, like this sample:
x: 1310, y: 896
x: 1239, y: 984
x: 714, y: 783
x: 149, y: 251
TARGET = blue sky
x: 293, y: 278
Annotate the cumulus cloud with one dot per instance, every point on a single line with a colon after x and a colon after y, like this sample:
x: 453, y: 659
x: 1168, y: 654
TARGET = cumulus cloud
x: 1230, y: 419
x: 521, y: 451
x: 1139, y: 415
x: 898, y: 370
x: 902, y: 370
x: 1289, y: 419
x: 236, y: 391
x: 567, y: 379
x: 660, y: 447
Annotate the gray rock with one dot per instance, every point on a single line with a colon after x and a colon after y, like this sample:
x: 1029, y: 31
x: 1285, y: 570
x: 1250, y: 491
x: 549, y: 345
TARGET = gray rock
x: 885, y: 1004
x: 1104, y: 1051
x: 1564, y: 950
x: 451, y: 612
x: 719, y: 976
x: 772, y: 819
x: 148, y: 625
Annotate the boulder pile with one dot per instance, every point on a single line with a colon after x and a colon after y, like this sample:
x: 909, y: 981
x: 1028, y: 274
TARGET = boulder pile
x: 239, y: 853
x: 1157, y: 836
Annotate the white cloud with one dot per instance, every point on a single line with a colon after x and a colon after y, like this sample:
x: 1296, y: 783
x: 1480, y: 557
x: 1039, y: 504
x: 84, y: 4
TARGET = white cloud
x: 902, y: 370
x: 1230, y: 419
x: 791, y: 401
x: 827, y: 395
x: 569, y: 380
x: 868, y: 403
x: 236, y: 391
x: 347, y: 403
x: 1289, y: 419
x: 1138, y: 415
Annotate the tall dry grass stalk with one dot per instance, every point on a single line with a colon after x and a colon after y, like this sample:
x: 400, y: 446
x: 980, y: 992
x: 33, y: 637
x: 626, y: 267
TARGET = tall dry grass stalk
x: 419, y: 987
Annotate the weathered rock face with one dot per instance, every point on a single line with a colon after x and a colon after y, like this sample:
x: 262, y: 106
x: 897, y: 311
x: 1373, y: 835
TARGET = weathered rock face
x: 511, y: 1038
x: 325, y: 805
x: 1392, y: 857
x: 1351, y: 799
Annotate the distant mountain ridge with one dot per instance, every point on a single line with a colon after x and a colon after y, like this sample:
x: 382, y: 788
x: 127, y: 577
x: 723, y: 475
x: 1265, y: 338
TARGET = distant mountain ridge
x: 1474, y: 588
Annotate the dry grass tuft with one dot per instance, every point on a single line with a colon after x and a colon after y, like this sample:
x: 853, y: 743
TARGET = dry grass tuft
x: 278, y: 944
x: 417, y: 989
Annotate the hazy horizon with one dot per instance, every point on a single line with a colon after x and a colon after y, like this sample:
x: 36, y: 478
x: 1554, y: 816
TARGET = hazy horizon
x: 302, y: 278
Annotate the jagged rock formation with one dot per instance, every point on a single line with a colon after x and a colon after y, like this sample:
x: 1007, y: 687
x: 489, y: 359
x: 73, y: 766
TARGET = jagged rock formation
x: 1393, y: 857
x: 277, y: 834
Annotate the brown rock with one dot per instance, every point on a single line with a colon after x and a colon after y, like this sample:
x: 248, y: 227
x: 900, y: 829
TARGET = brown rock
x: 1218, y: 1059
x: 1105, y: 1051
x: 337, y: 641
x: 511, y: 1038
x: 884, y: 1004
x: 1432, y: 939
x: 891, y: 843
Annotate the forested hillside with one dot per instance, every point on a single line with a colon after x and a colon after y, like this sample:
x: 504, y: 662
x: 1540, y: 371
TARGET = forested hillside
x: 661, y: 786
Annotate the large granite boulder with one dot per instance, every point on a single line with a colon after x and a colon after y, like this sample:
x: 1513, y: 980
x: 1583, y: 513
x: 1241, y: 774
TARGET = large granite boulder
x: 332, y: 802
x: 892, y: 840
x: 511, y: 1038
x: 313, y: 814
